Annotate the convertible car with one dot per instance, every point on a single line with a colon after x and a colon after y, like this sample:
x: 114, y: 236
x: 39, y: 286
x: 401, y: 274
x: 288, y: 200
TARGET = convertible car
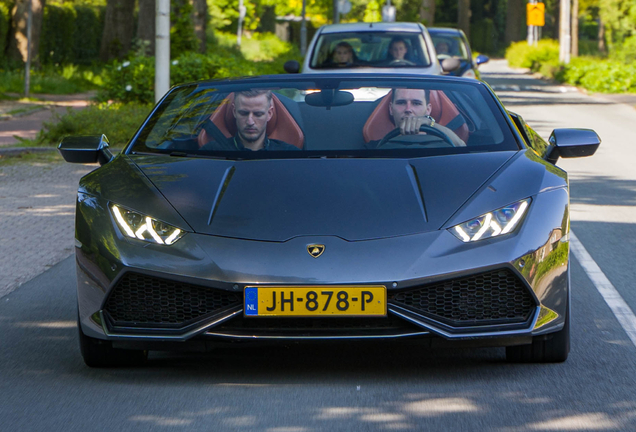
x: 301, y: 208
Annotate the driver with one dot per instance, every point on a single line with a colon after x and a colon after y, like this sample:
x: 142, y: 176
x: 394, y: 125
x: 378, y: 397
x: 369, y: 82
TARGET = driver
x: 252, y: 110
x: 442, y: 48
x: 398, y: 49
x: 409, y: 109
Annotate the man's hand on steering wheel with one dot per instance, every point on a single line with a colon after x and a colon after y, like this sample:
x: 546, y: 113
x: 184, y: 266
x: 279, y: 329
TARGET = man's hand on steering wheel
x: 411, y: 125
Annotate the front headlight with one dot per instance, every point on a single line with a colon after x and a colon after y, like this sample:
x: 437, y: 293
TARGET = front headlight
x: 493, y: 224
x: 142, y: 227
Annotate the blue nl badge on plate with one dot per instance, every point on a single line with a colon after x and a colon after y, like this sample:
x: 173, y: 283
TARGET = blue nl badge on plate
x: 251, y: 301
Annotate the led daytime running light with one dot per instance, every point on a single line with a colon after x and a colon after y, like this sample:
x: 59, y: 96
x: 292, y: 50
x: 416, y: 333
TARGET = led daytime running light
x: 145, y: 231
x: 488, y: 225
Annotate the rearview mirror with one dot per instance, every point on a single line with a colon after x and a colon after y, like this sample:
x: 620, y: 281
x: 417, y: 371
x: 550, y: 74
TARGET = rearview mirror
x: 328, y: 98
x: 291, y: 66
x: 85, y: 149
x: 571, y: 143
x: 481, y: 59
x: 450, y: 64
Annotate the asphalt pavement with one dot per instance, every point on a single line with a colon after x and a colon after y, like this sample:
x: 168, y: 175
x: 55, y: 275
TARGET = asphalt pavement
x: 338, y: 387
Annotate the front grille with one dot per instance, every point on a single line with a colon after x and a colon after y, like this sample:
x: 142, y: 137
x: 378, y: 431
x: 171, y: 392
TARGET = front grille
x: 327, y: 326
x: 495, y: 297
x: 147, y: 301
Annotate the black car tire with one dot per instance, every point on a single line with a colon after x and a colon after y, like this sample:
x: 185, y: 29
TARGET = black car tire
x: 553, y: 348
x: 99, y: 353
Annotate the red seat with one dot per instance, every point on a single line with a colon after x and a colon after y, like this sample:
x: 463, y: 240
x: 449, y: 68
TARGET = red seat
x: 281, y: 126
x: 443, y: 111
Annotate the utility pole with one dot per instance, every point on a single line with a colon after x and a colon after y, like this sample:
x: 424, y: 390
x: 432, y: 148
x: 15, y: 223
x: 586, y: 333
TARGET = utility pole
x: 336, y: 12
x: 575, y: 28
x: 565, y: 41
x: 239, y: 31
x: 27, y: 69
x: 162, y: 49
x: 303, y: 33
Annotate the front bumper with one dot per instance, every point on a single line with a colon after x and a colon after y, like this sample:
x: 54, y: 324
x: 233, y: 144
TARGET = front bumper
x: 503, y: 289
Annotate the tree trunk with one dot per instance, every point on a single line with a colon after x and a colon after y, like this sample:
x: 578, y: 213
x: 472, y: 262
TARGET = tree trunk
x: 575, y: 28
x: 427, y: 12
x: 463, y: 16
x: 602, y: 48
x: 118, y: 29
x: 516, y: 21
x: 200, y: 19
x: 146, y: 25
x: 17, y: 49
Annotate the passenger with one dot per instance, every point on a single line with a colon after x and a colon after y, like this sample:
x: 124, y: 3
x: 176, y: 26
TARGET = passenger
x: 409, y: 109
x: 343, y: 56
x: 252, y: 110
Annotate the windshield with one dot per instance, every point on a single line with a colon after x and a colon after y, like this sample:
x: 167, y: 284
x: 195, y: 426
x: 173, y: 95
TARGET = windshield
x: 326, y: 118
x: 448, y: 45
x: 370, y: 49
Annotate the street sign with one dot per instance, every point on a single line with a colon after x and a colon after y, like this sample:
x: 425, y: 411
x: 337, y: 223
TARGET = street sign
x: 535, y: 13
x: 344, y: 6
x: 388, y: 13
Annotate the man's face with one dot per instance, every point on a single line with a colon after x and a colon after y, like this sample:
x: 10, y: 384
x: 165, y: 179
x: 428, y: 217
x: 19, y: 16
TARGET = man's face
x: 343, y: 55
x: 398, y: 50
x: 252, y: 115
x: 408, y: 103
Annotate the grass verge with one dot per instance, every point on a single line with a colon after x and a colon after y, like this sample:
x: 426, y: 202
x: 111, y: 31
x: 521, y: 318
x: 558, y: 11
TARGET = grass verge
x: 31, y: 158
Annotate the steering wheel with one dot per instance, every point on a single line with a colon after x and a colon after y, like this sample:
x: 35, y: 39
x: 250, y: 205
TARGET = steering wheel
x: 401, y: 62
x: 424, y: 128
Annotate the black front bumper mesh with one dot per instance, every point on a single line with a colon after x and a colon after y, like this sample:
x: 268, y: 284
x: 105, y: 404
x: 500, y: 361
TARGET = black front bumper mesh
x: 146, y: 301
x: 489, y: 298
x: 495, y: 297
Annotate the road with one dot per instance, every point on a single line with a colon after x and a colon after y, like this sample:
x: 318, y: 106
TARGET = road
x: 45, y: 386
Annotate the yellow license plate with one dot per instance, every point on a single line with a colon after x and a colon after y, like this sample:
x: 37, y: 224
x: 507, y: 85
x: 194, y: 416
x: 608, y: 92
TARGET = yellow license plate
x: 308, y: 301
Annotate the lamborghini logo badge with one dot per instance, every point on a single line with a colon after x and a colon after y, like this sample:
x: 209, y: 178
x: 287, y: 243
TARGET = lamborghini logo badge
x: 315, y: 250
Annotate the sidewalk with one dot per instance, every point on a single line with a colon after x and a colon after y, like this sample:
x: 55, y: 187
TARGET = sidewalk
x: 37, y: 200
x: 26, y: 118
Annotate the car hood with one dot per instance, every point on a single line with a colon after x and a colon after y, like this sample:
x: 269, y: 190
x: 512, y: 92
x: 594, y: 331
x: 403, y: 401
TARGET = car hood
x: 355, y: 199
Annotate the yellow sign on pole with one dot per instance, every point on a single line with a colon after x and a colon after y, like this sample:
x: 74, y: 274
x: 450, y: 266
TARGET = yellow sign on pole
x: 535, y: 14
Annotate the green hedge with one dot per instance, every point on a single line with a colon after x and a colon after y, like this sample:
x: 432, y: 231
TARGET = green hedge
x: 71, y: 34
x: 5, y: 20
x: 133, y: 80
x: 117, y: 121
x: 520, y: 54
x: 604, y: 76
x: 616, y: 75
x: 87, y: 37
x: 56, y: 42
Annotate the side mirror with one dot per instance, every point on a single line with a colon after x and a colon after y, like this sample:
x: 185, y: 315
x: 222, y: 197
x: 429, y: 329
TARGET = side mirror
x: 450, y: 64
x: 291, y: 66
x: 571, y: 143
x: 481, y: 59
x: 85, y: 149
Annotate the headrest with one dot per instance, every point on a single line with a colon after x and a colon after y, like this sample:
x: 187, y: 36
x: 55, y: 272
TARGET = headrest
x: 281, y: 126
x: 443, y: 111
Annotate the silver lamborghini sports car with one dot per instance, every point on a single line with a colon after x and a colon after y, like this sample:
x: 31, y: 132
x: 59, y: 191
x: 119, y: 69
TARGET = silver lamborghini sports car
x: 325, y: 207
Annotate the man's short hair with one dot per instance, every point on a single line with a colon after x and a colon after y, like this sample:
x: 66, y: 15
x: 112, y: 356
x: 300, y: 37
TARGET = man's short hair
x: 427, y: 94
x: 255, y: 93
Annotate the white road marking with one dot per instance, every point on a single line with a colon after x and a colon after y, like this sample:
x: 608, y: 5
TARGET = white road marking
x: 611, y: 296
